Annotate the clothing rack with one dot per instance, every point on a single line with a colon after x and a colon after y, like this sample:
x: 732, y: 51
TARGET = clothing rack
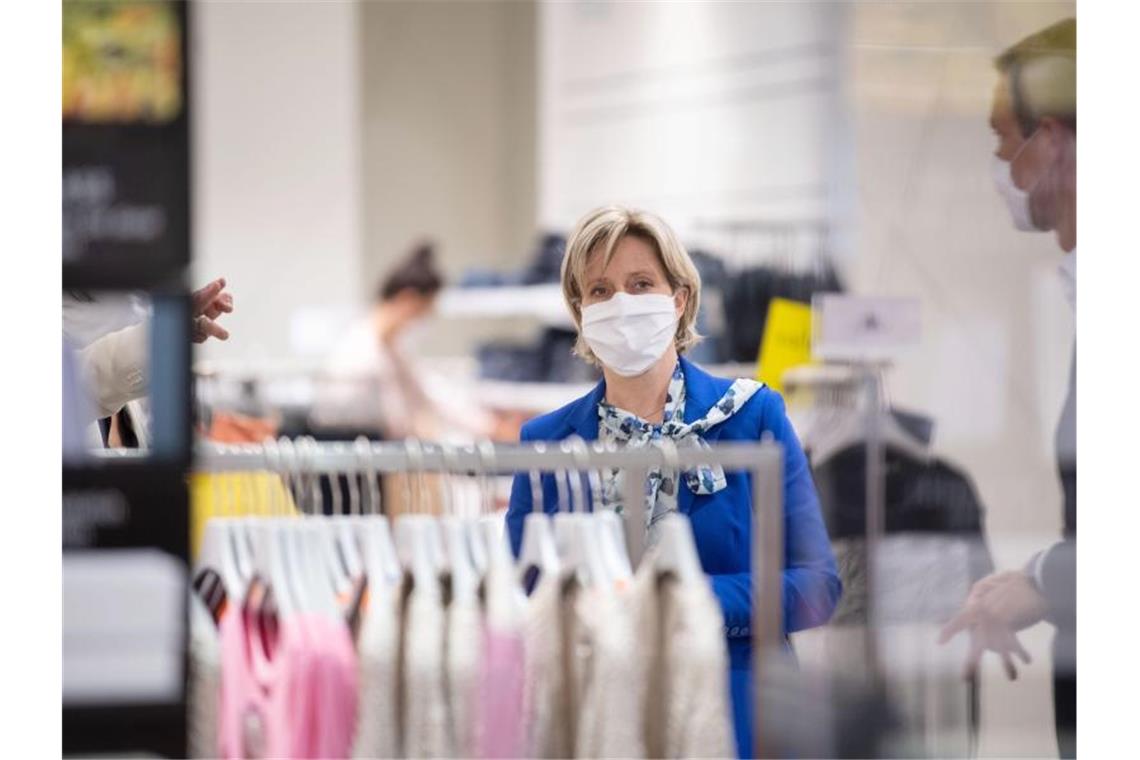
x: 764, y: 460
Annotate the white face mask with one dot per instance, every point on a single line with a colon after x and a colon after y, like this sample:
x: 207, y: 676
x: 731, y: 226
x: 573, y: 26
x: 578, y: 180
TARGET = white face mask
x: 1016, y: 199
x: 629, y: 333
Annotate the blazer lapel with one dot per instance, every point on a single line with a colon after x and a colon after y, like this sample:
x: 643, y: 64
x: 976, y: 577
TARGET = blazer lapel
x: 583, y: 417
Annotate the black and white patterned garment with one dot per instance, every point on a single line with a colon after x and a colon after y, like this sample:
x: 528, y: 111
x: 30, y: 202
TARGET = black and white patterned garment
x: 626, y: 428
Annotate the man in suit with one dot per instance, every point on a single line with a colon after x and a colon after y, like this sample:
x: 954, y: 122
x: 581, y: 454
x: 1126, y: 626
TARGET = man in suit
x: 1034, y: 117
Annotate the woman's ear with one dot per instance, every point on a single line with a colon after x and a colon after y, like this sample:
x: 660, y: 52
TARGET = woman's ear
x: 681, y: 299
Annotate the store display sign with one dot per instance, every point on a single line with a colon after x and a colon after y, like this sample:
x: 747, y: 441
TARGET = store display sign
x: 786, y: 343
x: 125, y: 133
x: 863, y: 328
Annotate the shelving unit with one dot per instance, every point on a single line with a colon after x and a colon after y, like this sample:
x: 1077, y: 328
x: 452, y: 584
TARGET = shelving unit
x: 115, y: 510
x: 539, y: 302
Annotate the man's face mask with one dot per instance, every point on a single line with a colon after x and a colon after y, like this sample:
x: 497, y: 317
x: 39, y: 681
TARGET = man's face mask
x: 1016, y: 199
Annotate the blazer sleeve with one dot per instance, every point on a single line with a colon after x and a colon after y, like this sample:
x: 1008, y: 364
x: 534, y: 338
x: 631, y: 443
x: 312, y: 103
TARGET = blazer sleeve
x: 521, y: 502
x: 114, y: 368
x: 1054, y: 571
x: 811, y: 585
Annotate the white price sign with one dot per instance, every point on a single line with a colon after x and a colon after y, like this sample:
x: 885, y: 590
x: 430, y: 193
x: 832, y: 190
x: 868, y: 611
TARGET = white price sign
x: 863, y: 328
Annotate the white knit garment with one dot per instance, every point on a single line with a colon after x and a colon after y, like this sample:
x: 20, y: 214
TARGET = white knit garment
x: 378, y: 646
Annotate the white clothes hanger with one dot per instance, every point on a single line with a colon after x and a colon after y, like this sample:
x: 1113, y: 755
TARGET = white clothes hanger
x: 468, y: 524
x: 300, y: 545
x: 491, y: 535
x: 372, y: 530
x: 464, y: 578
x: 270, y: 560
x: 611, y: 543
x: 539, y: 550
x: 575, y: 544
x: 851, y: 429
x: 594, y: 534
x: 243, y: 549
x: 346, y: 555
x: 675, y: 551
x: 418, y: 544
x: 219, y: 547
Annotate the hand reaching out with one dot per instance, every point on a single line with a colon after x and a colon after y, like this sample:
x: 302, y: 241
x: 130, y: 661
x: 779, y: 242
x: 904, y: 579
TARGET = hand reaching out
x: 207, y: 304
x: 998, y: 606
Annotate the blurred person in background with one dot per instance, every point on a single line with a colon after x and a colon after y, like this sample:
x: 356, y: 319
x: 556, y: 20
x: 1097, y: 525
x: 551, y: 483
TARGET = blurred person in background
x: 371, y: 384
x: 1034, y: 117
x: 634, y: 292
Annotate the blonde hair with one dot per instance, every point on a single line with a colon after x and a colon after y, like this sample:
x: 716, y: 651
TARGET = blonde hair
x: 599, y: 232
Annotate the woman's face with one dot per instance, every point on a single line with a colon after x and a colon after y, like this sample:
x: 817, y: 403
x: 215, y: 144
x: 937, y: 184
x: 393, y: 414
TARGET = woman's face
x: 634, y: 269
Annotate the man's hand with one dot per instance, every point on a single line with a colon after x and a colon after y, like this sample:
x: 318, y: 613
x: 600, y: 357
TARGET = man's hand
x: 208, y: 304
x: 998, y: 606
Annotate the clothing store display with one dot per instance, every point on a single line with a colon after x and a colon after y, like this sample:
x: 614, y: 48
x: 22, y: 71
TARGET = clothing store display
x: 686, y: 693
x: 544, y: 267
x: 464, y: 651
x: 749, y: 292
x: 932, y: 552
x: 548, y: 359
x: 629, y: 333
x: 604, y: 666
x: 287, y: 691
x: 500, y: 690
x: 234, y: 494
x: 203, y: 682
x: 711, y: 317
x: 378, y: 651
x: 547, y: 714
x: 625, y: 428
x: 721, y: 521
x: 925, y: 495
x: 423, y: 705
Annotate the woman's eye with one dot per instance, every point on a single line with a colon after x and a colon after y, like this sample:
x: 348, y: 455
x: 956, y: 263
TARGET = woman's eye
x: 598, y: 292
x: 643, y: 285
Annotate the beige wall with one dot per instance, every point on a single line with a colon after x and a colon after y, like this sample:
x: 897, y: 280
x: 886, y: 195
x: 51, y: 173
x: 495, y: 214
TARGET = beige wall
x: 448, y: 108
x: 276, y: 164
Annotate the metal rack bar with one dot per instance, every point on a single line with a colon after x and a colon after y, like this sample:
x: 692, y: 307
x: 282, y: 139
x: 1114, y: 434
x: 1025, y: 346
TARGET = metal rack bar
x: 343, y: 457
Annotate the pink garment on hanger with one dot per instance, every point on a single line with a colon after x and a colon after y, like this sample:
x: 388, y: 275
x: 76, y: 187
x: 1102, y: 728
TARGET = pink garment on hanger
x: 499, y: 731
x: 298, y: 700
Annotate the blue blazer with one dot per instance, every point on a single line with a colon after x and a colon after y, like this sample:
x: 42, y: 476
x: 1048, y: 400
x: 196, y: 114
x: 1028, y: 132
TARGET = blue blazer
x: 722, y: 522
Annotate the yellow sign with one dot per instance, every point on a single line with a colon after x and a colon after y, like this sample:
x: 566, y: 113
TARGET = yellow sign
x: 786, y: 342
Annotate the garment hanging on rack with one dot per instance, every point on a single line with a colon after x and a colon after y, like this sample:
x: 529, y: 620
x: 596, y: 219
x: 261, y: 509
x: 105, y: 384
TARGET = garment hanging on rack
x: 749, y: 292
x: 292, y: 655
x: 685, y: 667
x: 463, y: 654
x: 932, y: 551
x: 604, y: 673
x: 289, y: 686
x: 423, y: 718
x: 547, y: 698
x: 378, y: 652
x: 203, y: 679
x: 500, y: 689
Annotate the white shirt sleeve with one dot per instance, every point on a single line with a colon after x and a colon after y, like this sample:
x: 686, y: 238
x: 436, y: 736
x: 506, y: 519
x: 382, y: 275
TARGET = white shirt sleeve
x: 115, y: 368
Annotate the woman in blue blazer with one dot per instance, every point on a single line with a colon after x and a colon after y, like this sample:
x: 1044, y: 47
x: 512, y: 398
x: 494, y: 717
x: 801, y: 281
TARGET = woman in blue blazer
x: 634, y: 292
